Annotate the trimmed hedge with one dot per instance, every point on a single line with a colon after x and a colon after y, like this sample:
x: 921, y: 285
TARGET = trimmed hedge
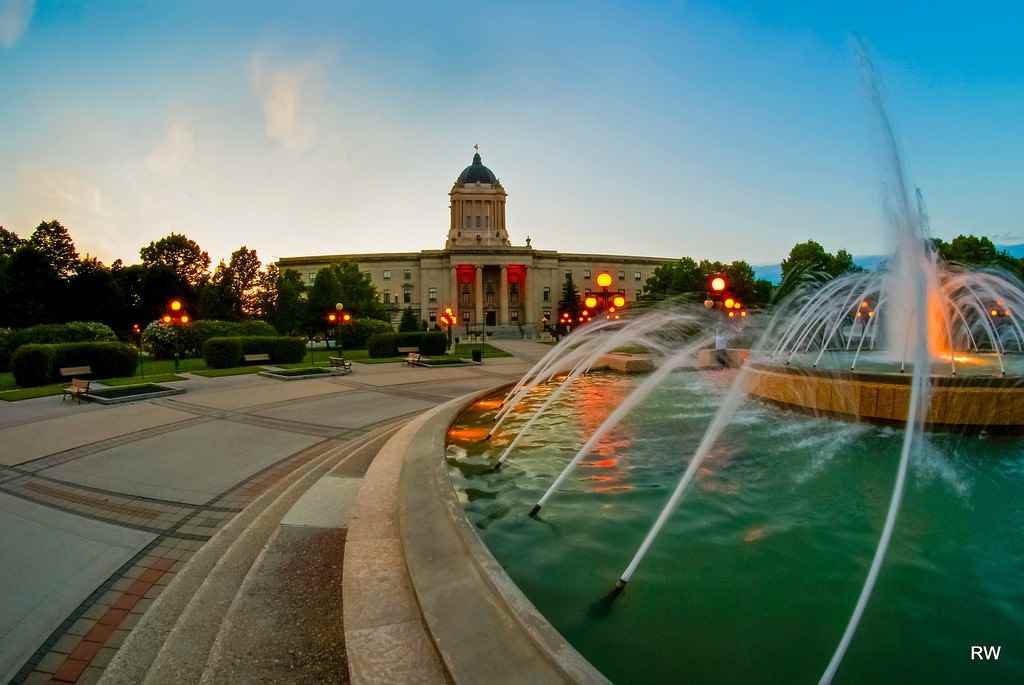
x: 40, y: 364
x: 433, y: 343
x: 6, y: 348
x: 160, y: 338
x: 51, y: 333
x: 388, y: 344
x: 382, y: 345
x: 225, y: 352
x: 355, y: 335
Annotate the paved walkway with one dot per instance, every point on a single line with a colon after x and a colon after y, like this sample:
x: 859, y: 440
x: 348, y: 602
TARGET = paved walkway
x: 525, y: 350
x: 100, y: 507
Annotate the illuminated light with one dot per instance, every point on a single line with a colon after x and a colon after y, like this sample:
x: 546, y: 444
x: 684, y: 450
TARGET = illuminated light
x: 175, y: 305
x: 743, y: 313
x: 994, y: 312
x: 167, y: 318
x: 737, y: 305
x: 732, y: 314
x: 346, y: 317
x: 718, y: 284
x: 619, y: 301
x: 857, y: 315
x: 1006, y: 312
x: 864, y: 303
x: 871, y: 313
x: 616, y: 317
x: 729, y: 302
x: 332, y: 318
x: 591, y: 302
x: 604, y: 279
x: 184, y: 318
x: 581, y: 319
x: 611, y: 309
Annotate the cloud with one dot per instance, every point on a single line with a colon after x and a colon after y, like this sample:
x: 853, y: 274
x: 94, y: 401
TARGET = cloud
x: 289, y: 97
x: 174, y: 151
x: 15, y: 16
x: 1006, y: 238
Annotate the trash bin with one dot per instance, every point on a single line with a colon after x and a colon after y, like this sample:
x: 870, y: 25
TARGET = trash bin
x: 478, y: 355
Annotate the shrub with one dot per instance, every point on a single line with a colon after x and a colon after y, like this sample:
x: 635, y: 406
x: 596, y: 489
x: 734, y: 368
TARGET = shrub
x: 54, y: 333
x: 107, y: 359
x: 40, y: 364
x: 355, y: 334
x: 409, y: 339
x: 32, y: 365
x: 222, y: 353
x: 160, y: 339
x: 433, y: 343
x: 382, y: 345
x: 254, y: 327
x: 225, y: 352
x: 6, y: 348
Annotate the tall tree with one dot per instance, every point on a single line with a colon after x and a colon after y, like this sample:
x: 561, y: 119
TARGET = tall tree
x: 409, y: 322
x: 810, y: 256
x: 182, y: 255
x: 323, y: 295
x: 94, y: 295
x: 570, y: 301
x: 35, y: 292
x: 689, y: 278
x: 9, y: 242
x: 54, y: 241
x: 287, y: 314
x: 232, y: 292
x: 356, y: 292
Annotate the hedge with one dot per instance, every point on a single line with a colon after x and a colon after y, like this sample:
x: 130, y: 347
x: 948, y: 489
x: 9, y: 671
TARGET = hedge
x: 6, y: 348
x: 40, y: 364
x: 388, y: 344
x: 382, y: 345
x: 355, y: 334
x: 51, y: 333
x: 160, y: 338
x: 225, y: 352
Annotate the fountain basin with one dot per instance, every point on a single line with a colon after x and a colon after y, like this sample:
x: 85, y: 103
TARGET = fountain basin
x: 956, y: 402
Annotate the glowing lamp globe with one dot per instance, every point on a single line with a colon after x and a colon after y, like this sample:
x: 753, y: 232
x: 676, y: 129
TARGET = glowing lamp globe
x: 718, y: 284
x: 184, y: 318
x: 591, y: 302
x: 619, y: 301
x: 167, y: 318
x: 604, y: 279
x: 175, y: 305
x: 729, y: 302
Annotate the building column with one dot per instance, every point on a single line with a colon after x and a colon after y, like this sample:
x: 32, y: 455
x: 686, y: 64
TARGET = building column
x: 479, y: 288
x: 453, y: 292
x: 503, y: 296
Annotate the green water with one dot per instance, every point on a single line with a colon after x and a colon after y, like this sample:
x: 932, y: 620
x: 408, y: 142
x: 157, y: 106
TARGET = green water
x: 754, y: 578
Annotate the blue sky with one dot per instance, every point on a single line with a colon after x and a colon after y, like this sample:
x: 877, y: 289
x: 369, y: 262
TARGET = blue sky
x: 726, y: 130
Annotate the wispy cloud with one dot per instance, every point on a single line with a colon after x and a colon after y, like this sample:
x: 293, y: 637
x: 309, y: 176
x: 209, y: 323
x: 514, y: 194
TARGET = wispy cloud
x: 175, y: 149
x: 15, y: 16
x: 289, y: 97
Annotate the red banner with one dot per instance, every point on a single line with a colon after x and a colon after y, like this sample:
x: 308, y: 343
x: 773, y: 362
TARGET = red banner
x: 516, y: 273
x: 466, y: 273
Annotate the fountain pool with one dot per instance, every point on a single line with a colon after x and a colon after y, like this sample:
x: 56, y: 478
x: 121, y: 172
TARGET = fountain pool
x: 753, y: 577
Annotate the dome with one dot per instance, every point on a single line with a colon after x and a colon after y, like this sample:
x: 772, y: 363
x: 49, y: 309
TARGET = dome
x: 476, y: 173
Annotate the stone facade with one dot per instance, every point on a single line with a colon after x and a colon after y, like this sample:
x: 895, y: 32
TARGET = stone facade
x: 480, y: 273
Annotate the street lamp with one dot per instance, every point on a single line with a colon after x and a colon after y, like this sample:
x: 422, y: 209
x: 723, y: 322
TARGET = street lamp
x: 137, y: 332
x: 176, y: 315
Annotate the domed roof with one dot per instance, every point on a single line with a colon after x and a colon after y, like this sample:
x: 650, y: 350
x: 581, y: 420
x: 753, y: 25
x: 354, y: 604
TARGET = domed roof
x: 476, y: 173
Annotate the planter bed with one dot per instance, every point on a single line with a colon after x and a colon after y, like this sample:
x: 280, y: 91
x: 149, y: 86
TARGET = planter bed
x: 301, y: 373
x: 130, y: 393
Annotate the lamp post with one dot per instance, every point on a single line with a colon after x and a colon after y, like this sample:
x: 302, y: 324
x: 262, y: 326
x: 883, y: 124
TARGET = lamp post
x: 137, y: 332
x: 176, y: 315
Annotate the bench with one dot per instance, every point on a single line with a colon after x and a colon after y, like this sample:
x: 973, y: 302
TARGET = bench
x: 410, y: 350
x: 414, y: 359
x: 341, y: 362
x: 78, y: 387
x: 256, y: 357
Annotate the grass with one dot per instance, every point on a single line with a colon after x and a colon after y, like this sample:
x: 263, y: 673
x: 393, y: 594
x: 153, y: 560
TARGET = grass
x: 466, y: 350
x: 232, y: 371
x: 136, y: 380
x: 31, y: 393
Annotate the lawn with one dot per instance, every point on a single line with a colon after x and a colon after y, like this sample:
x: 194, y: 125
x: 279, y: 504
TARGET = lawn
x: 466, y: 350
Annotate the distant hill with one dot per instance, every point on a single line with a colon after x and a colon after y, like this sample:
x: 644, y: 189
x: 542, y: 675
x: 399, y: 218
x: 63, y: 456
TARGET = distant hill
x: 773, y: 272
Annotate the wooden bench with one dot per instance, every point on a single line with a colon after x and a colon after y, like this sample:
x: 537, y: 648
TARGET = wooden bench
x: 78, y: 387
x: 256, y: 358
x: 341, y: 362
x: 410, y: 350
x: 414, y: 359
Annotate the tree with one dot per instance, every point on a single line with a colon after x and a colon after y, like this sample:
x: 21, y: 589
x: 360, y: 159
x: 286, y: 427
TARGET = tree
x: 288, y: 310
x: 410, y: 322
x: 34, y: 291
x: 9, y: 242
x: 689, y: 278
x: 357, y: 292
x: 94, y: 295
x: 53, y: 240
x: 265, y: 297
x: 323, y: 295
x: 181, y: 255
x: 810, y: 256
x: 231, y: 293
x: 570, y: 302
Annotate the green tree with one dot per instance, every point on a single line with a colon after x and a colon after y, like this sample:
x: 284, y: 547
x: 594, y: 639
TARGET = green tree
x: 687, y: 278
x: 232, y: 292
x: 323, y: 295
x: 53, y: 240
x: 410, y: 322
x: 94, y: 294
x: 287, y: 311
x: 181, y: 255
x: 356, y: 292
x: 35, y: 292
x: 9, y: 242
x: 570, y: 302
x: 810, y: 256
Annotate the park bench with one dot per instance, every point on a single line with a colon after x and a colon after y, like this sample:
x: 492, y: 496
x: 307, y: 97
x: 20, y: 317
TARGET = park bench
x: 256, y: 358
x: 414, y: 359
x: 341, y: 362
x: 78, y: 387
x: 404, y: 350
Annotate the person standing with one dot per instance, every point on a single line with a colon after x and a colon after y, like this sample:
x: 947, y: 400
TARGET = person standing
x: 721, y: 348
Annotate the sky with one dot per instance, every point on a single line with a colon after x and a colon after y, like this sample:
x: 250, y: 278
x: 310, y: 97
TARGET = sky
x: 726, y: 130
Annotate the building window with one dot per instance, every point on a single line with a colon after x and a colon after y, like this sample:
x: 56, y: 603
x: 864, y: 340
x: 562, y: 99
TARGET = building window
x: 407, y: 275
x: 386, y: 297
x: 622, y: 275
x: 513, y: 294
x: 586, y: 274
x: 547, y: 315
x: 568, y: 275
x: 387, y: 275
x: 406, y: 295
x: 547, y: 294
x: 467, y: 296
x: 514, y: 315
x: 487, y: 222
x: 637, y: 276
x: 310, y: 277
x: 469, y: 222
x: 432, y: 294
x: 433, y: 317
x: 489, y: 295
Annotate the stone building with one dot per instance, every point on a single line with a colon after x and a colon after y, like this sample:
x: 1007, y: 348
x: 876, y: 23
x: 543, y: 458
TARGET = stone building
x: 510, y: 288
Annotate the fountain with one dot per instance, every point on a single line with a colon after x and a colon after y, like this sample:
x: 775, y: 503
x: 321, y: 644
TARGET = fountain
x: 919, y: 345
